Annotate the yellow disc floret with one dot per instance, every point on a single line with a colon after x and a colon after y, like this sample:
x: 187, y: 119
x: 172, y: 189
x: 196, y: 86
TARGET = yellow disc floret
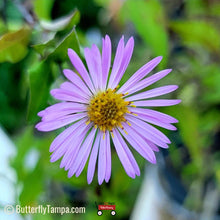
x: 107, y: 110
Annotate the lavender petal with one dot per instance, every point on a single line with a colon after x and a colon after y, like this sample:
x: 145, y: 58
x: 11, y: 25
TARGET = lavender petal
x: 76, y: 80
x: 152, y: 93
x: 141, y: 73
x: 147, y: 81
x: 108, y: 158
x: 117, y: 62
x: 102, y: 161
x: 55, y: 124
x: 77, y: 63
x: 106, y: 60
x: 157, y: 102
x: 93, y: 158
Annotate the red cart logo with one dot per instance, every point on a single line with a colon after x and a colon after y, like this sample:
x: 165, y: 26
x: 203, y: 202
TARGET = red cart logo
x: 106, y: 206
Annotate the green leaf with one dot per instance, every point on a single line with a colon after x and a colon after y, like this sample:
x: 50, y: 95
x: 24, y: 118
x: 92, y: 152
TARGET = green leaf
x: 13, y: 46
x: 63, y: 23
x: 69, y: 41
x: 65, y: 37
x: 46, y: 48
x: 40, y: 79
x: 43, y: 8
x: 58, y: 51
x: 199, y: 33
x: 148, y: 19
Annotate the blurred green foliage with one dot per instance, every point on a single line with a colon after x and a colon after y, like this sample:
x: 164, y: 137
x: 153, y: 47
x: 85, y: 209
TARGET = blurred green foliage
x: 43, y: 9
x: 40, y: 77
x: 34, y: 39
x: 192, y: 33
x: 14, y: 45
x: 150, y: 22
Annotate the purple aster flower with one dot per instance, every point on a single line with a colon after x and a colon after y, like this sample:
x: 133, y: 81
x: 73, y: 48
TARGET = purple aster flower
x: 97, y: 110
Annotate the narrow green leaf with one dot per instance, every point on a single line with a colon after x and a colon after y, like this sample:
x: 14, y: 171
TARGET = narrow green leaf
x: 199, y: 33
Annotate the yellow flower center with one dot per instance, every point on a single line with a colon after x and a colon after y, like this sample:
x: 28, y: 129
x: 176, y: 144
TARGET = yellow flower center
x: 107, y: 110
